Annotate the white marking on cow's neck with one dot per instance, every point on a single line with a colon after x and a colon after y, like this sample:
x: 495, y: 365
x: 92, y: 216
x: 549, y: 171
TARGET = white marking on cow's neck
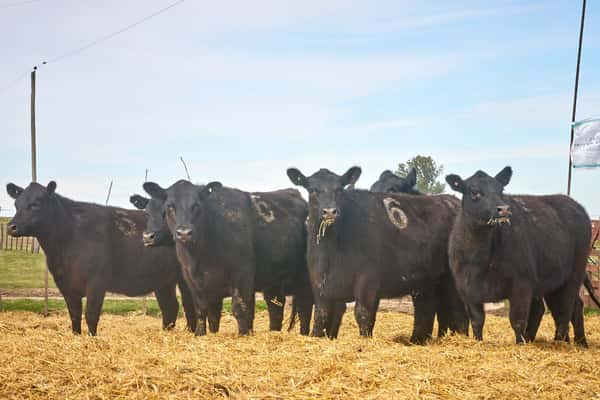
x: 262, y: 209
x: 395, y: 214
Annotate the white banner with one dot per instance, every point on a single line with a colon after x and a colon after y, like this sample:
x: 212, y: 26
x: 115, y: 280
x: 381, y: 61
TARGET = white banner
x: 585, y: 152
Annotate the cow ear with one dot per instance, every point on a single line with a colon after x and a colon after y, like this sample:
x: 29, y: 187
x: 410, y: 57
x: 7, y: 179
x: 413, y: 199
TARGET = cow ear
x: 51, y: 187
x: 456, y: 183
x: 297, y: 177
x: 351, y: 176
x: 504, y: 176
x: 13, y: 190
x: 213, y: 186
x: 154, y: 190
x: 138, y: 201
x: 411, y: 178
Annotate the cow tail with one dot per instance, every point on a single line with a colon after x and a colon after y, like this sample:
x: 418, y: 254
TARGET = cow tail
x: 590, y: 289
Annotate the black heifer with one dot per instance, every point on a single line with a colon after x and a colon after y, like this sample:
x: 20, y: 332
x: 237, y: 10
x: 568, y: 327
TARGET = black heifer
x: 451, y: 312
x: 91, y: 249
x: 157, y: 233
x: 521, y: 248
x: 365, y: 246
x: 389, y: 182
x: 229, y: 241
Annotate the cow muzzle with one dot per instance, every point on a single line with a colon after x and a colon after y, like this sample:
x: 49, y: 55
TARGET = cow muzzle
x: 12, y: 230
x: 328, y: 217
x: 148, y: 238
x: 183, y: 235
x: 502, y: 216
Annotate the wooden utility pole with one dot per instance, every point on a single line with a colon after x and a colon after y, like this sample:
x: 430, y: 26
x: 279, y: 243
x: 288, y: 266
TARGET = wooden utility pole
x: 575, y: 96
x: 34, y: 172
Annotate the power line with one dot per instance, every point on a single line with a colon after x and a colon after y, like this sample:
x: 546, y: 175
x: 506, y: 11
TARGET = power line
x: 78, y: 50
x: 113, y: 34
x: 19, y: 3
x: 14, y: 82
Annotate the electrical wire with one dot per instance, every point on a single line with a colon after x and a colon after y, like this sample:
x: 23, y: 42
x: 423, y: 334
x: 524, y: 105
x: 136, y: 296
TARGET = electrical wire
x: 14, y: 82
x: 102, y: 39
x: 19, y: 3
x: 93, y: 43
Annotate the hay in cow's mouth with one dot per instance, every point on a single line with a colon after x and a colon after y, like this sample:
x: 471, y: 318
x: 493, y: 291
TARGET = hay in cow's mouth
x: 499, y: 221
x: 325, y: 223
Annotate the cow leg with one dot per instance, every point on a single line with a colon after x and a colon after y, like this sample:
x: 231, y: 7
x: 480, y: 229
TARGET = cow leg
x: 167, y: 302
x: 189, y: 309
x: 323, y: 310
x: 477, y: 317
x: 372, y: 321
x: 425, y: 303
x: 75, y: 310
x: 443, y: 307
x: 201, y: 312
x: 94, y: 294
x: 303, y: 301
x: 561, y: 306
x: 338, y: 308
x: 275, y: 299
x: 215, y: 309
x: 519, y: 315
x: 443, y: 317
x: 243, y: 304
x: 536, y: 312
x: 251, y: 310
x: 577, y: 321
x: 365, y: 307
x: 453, y: 306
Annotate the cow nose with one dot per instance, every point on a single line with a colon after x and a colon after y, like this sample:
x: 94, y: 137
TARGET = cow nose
x: 183, y: 234
x: 503, y: 211
x: 12, y: 229
x: 148, y: 237
x: 330, y: 213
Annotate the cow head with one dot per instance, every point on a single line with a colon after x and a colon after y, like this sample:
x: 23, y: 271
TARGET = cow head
x: 184, y: 205
x: 36, y: 207
x: 482, y: 196
x: 325, y: 190
x: 157, y: 231
x: 389, y: 182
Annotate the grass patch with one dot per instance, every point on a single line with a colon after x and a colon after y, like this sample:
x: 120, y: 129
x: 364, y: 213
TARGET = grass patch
x: 22, y: 270
x: 591, y: 311
x: 111, y: 306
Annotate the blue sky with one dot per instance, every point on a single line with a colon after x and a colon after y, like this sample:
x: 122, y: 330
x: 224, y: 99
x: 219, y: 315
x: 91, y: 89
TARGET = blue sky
x: 242, y: 90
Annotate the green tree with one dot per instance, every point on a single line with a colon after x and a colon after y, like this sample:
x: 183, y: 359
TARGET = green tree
x: 428, y: 172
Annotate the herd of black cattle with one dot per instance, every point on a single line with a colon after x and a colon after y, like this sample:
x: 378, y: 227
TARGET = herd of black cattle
x: 343, y: 245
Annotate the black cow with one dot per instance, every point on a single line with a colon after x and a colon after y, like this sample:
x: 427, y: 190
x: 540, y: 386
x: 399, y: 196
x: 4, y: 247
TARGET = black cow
x: 157, y: 233
x: 389, y: 182
x: 364, y: 246
x: 91, y: 249
x: 229, y: 241
x: 521, y: 248
x: 451, y: 312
